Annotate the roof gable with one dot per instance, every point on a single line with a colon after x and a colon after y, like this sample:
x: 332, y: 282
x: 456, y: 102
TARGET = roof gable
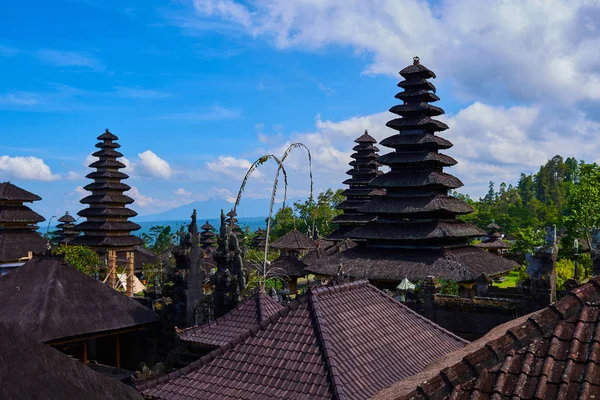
x: 55, y: 300
x: 245, y: 316
x: 294, y: 240
x: 11, y: 192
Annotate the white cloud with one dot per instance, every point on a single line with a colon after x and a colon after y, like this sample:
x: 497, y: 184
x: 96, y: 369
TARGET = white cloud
x: 140, y: 199
x: 151, y: 165
x: 182, y: 192
x: 80, y: 192
x: 141, y: 94
x: 231, y: 167
x: 531, y: 50
x: 26, y: 168
x: 69, y: 59
x: 21, y: 99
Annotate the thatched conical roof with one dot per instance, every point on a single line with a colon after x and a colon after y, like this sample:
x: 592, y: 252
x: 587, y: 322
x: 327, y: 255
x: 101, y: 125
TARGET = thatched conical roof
x: 107, y: 226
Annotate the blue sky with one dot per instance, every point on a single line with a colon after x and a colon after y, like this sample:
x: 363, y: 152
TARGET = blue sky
x: 196, y: 90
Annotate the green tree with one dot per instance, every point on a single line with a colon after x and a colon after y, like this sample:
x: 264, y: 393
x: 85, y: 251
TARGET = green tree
x: 159, y: 238
x: 584, y: 203
x: 81, y: 257
x: 526, y: 239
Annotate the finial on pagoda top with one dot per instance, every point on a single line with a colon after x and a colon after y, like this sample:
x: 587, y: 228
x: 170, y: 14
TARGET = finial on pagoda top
x: 416, y: 60
x: 366, y: 132
x: 106, y: 130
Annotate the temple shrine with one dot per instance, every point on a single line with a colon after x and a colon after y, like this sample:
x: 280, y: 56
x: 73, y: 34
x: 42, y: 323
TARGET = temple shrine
x: 414, y: 232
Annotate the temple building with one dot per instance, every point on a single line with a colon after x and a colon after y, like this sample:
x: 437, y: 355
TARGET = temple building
x: 56, y: 304
x: 207, y: 237
x: 416, y: 232
x: 365, y: 167
x: 338, y: 342
x: 107, y: 227
x: 18, y: 225
x: 494, y: 242
x: 234, y: 223
x: 66, y: 230
x: 289, y: 266
x: 32, y: 370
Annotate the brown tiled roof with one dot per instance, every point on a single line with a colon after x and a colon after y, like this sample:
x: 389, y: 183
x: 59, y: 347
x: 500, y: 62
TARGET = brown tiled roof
x: 550, y: 354
x: 246, y: 315
x: 19, y: 214
x: 31, y: 370
x: 52, y: 300
x: 15, y: 244
x: 344, y: 342
x: 460, y: 264
x: 11, y: 192
x: 294, y: 240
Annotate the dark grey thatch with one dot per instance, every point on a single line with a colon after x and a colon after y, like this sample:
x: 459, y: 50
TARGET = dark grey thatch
x: 462, y: 264
x: 365, y: 167
x: 12, y: 214
x: 51, y: 300
x: 288, y: 266
x: 294, y: 240
x: 17, y: 244
x: 10, y: 192
x: 107, y: 227
x: 31, y: 370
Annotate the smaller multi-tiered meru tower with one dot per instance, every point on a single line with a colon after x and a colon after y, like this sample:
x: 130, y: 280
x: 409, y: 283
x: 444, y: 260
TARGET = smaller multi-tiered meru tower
x: 207, y: 237
x: 365, y: 167
x: 66, y: 230
x: 107, y: 227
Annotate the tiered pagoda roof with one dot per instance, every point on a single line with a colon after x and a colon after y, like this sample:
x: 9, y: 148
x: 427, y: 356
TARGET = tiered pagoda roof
x: 365, y: 167
x: 494, y: 241
x: 260, y: 239
x: 66, y: 229
x: 416, y: 232
x: 207, y: 236
x: 18, y: 224
x: 233, y: 222
x: 339, y: 342
x: 107, y: 226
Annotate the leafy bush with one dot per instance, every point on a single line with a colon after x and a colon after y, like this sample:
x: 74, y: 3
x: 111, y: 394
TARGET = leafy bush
x: 81, y: 257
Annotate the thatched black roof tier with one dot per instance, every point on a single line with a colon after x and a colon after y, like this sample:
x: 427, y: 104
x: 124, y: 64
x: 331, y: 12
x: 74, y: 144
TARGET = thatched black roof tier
x: 16, y: 244
x: 10, y: 192
x: 107, y: 226
x: 417, y: 141
x: 52, y: 301
x: 294, y: 240
x: 288, y: 266
x: 441, y: 206
x: 32, y: 370
x: 19, y: 213
x: 461, y: 264
x: 365, y: 167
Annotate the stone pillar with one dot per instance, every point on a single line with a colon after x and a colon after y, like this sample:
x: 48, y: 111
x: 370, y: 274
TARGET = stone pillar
x: 130, y: 271
x: 430, y: 288
x: 111, y: 268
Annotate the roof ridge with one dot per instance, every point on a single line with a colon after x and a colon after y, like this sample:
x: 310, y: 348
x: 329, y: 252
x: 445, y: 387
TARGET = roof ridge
x: 322, y: 332
x: 149, y: 383
x: 259, y: 312
x: 324, y: 290
x: 50, y: 290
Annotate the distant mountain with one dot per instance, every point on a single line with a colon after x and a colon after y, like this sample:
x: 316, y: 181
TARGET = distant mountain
x: 211, y: 209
